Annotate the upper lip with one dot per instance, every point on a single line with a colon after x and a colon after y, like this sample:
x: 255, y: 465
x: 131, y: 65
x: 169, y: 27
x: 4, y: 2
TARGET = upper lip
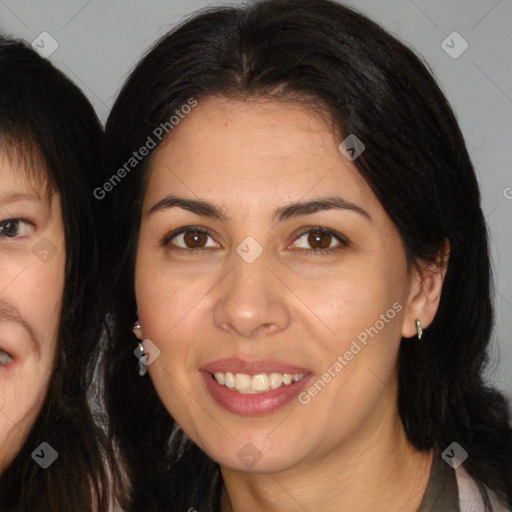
x: 251, y: 367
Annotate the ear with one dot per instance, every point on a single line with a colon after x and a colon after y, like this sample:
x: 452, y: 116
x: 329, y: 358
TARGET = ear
x: 425, y: 293
x: 137, y: 330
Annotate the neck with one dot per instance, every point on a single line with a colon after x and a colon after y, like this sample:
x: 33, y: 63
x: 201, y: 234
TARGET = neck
x: 377, y: 469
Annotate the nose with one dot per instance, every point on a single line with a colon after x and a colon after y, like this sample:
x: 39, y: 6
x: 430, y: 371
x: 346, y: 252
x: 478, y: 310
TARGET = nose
x: 251, y: 301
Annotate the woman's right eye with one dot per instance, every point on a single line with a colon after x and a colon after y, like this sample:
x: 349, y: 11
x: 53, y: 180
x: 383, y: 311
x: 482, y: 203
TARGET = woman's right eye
x: 15, y: 227
x: 190, y: 238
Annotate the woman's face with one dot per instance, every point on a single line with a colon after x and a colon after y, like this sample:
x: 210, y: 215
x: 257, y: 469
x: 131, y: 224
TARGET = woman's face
x: 260, y: 295
x: 32, y: 259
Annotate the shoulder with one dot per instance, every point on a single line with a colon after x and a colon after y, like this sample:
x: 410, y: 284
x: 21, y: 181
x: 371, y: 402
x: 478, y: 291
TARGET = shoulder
x: 470, y: 499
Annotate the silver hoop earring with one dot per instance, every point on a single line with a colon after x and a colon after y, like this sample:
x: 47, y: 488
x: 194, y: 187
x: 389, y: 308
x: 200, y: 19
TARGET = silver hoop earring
x: 143, y: 369
x: 419, y: 330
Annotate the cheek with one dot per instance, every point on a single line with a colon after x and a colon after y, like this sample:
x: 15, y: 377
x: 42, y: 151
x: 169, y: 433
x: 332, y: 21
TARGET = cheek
x: 168, y: 300
x: 42, y: 298
x: 19, y: 406
x: 39, y: 293
x: 43, y: 292
x: 348, y: 300
x: 364, y: 309
x: 36, y: 288
x: 21, y: 402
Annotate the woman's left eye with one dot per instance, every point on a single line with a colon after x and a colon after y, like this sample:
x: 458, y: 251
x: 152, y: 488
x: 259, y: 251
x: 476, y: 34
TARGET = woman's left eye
x: 320, y: 240
x: 15, y: 227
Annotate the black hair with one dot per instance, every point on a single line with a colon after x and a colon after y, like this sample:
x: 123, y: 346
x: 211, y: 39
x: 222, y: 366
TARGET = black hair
x: 331, y: 57
x: 49, y: 127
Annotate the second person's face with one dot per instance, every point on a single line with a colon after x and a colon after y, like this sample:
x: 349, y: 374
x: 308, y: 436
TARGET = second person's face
x: 32, y: 260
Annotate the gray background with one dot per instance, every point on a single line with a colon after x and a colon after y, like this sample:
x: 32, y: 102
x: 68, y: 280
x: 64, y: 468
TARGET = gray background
x: 100, y: 41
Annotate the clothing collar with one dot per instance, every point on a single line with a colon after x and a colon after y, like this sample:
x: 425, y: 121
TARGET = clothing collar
x: 442, y: 491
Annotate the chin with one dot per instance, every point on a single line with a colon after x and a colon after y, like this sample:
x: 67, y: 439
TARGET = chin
x: 251, y: 457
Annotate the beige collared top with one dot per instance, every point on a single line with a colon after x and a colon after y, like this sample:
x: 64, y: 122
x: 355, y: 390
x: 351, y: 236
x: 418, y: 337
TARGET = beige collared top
x: 453, y: 490
x: 470, y: 499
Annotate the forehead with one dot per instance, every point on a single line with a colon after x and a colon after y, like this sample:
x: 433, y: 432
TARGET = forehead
x: 259, y: 127
x: 22, y: 168
x: 254, y: 151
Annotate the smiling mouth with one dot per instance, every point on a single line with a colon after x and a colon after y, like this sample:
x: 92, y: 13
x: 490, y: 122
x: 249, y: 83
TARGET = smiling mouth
x: 256, y: 384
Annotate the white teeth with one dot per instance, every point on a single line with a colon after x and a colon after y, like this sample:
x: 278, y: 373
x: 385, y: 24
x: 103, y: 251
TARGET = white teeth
x: 276, y: 379
x: 229, y: 380
x: 242, y: 381
x: 259, y: 383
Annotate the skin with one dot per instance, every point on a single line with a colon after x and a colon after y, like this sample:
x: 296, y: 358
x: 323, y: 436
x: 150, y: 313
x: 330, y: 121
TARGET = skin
x: 30, y: 301
x: 346, y: 449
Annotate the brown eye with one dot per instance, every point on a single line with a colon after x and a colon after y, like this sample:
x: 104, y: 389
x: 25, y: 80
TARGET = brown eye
x: 189, y: 238
x: 319, y: 239
x: 195, y: 239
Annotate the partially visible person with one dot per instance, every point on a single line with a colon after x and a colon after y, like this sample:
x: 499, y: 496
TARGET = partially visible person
x: 53, y: 456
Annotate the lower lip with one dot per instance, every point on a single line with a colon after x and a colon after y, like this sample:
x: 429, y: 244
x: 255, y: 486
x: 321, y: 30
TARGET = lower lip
x: 253, y: 404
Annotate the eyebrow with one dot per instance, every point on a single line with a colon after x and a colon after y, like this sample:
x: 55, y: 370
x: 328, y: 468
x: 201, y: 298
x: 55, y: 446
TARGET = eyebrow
x: 16, y: 196
x: 296, y: 209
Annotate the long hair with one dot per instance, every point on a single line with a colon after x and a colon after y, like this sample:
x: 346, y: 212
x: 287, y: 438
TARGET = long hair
x: 334, y: 59
x: 45, y: 118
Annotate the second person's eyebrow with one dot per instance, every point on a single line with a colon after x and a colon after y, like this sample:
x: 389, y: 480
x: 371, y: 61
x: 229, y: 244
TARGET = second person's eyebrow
x: 206, y: 209
x: 15, y: 196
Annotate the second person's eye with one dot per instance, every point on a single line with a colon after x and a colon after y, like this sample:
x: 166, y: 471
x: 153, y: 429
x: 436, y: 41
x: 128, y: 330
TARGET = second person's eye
x: 14, y: 228
x: 5, y: 358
